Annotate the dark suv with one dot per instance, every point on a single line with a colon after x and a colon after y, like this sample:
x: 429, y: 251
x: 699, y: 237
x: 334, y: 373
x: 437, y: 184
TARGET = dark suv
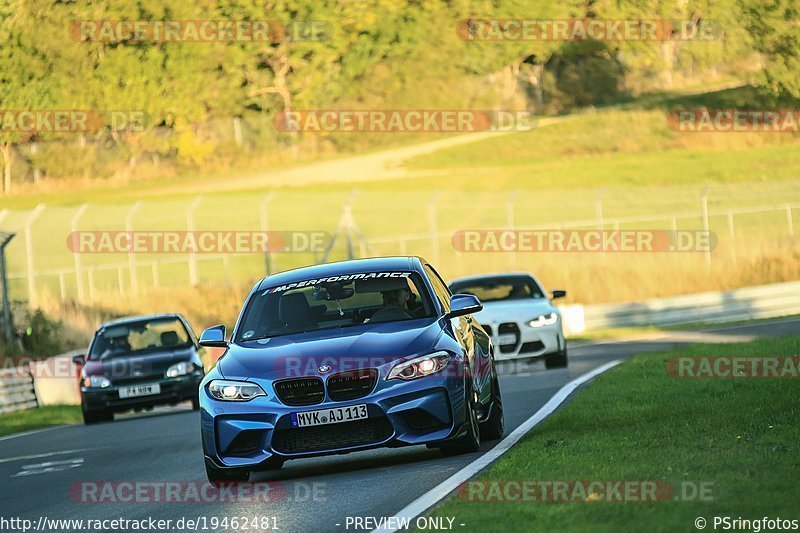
x: 137, y: 363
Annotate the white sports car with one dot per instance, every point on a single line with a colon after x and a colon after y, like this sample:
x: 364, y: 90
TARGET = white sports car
x: 518, y: 316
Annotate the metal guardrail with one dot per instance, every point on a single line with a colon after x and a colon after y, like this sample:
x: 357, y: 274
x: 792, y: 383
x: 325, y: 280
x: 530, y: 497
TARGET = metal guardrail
x: 765, y: 301
x: 17, y: 391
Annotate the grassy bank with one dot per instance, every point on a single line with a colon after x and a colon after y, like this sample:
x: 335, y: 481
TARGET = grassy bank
x: 41, y: 417
x: 738, y: 436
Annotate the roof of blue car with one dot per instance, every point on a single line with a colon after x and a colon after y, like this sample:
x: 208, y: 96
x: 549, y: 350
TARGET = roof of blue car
x: 373, y: 264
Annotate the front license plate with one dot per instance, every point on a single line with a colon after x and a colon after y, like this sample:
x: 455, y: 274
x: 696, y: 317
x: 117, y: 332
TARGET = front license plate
x: 333, y: 415
x: 147, y: 389
x: 507, y: 338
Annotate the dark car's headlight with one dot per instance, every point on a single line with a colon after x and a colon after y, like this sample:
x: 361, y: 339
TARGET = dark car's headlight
x: 544, y: 320
x: 101, y: 382
x: 418, y: 367
x: 234, y: 391
x: 180, y: 369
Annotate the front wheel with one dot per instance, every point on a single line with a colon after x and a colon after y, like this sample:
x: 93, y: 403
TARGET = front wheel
x: 471, y: 442
x: 556, y: 360
x: 96, y: 415
x: 495, y: 426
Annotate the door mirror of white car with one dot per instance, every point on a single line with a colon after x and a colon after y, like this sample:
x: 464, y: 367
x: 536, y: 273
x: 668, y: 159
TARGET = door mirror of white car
x: 463, y: 304
x: 214, y: 337
x: 559, y: 294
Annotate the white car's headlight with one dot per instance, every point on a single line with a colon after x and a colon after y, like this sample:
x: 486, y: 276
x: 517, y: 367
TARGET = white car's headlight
x: 544, y: 320
x: 96, y: 381
x: 418, y: 367
x: 234, y: 391
x: 180, y: 369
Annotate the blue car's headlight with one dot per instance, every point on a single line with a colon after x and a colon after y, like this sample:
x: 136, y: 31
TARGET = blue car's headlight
x: 544, y: 320
x: 180, y: 369
x: 234, y: 391
x: 418, y: 367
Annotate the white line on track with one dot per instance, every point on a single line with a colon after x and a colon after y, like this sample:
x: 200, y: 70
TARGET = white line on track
x: 33, y: 432
x: 439, y: 492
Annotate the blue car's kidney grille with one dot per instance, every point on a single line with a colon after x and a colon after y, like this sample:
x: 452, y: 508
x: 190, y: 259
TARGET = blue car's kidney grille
x: 332, y: 436
x: 300, y: 391
x: 351, y: 385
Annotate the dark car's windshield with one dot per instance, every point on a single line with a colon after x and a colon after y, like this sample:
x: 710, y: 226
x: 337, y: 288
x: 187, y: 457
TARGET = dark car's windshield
x: 138, y: 338
x: 348, y: 300
x: 500, y: 288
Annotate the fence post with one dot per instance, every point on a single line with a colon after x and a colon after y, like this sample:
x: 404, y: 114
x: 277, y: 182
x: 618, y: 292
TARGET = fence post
x: 76, y: 251
x: 7, y: 326
x: 598, y: 208
x: 91, y: 284
x: 32, y: 296
x: 789, y: 221
x: 732, y: 235
x: 62, y: 287
x: 264, y: 218
x: 704, y: 201
x: 434, y: 228
x: 511, y: 224
x: 131, y: 254
x: 193, y: 278
x: 237, y: 131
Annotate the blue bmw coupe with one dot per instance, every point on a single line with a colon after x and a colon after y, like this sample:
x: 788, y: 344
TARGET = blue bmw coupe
x: 348, y: 356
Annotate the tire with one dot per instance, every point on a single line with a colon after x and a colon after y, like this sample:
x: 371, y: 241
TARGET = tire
x: 217, y: 475
x: 495, y: 426
x: 97, y: 415
x: 471, y: 442
x: 556, y: 360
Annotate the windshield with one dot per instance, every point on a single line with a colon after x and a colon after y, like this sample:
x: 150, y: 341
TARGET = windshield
x: 136, y: 338
x: 314, y: 305
x: 498, y: 289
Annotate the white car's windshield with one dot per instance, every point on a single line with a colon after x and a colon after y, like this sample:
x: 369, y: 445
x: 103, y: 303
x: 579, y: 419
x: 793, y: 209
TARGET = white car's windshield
x: 500, y: 288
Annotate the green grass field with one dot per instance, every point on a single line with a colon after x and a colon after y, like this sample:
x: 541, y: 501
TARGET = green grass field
x: 42, y: 417
x: 735, y: 438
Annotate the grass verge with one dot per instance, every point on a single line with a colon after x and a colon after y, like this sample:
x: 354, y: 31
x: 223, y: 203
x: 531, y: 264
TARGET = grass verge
x: 638, y: 423
x: 42, y: 417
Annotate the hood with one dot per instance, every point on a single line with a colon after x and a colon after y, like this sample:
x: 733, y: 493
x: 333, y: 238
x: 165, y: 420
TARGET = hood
x: 350, y: 348
x: 151, y: 364
x: 514, y: 310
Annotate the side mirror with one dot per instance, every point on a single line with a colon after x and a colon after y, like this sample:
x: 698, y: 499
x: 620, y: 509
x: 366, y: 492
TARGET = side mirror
x: 79, y: 360
x: 559, y: 294
x: 214, y: 337
x: 463, y: 304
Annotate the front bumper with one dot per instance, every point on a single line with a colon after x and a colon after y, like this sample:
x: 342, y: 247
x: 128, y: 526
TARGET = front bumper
x: 518, y: 340
x: 247, y: 434
x: 173, y: 390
